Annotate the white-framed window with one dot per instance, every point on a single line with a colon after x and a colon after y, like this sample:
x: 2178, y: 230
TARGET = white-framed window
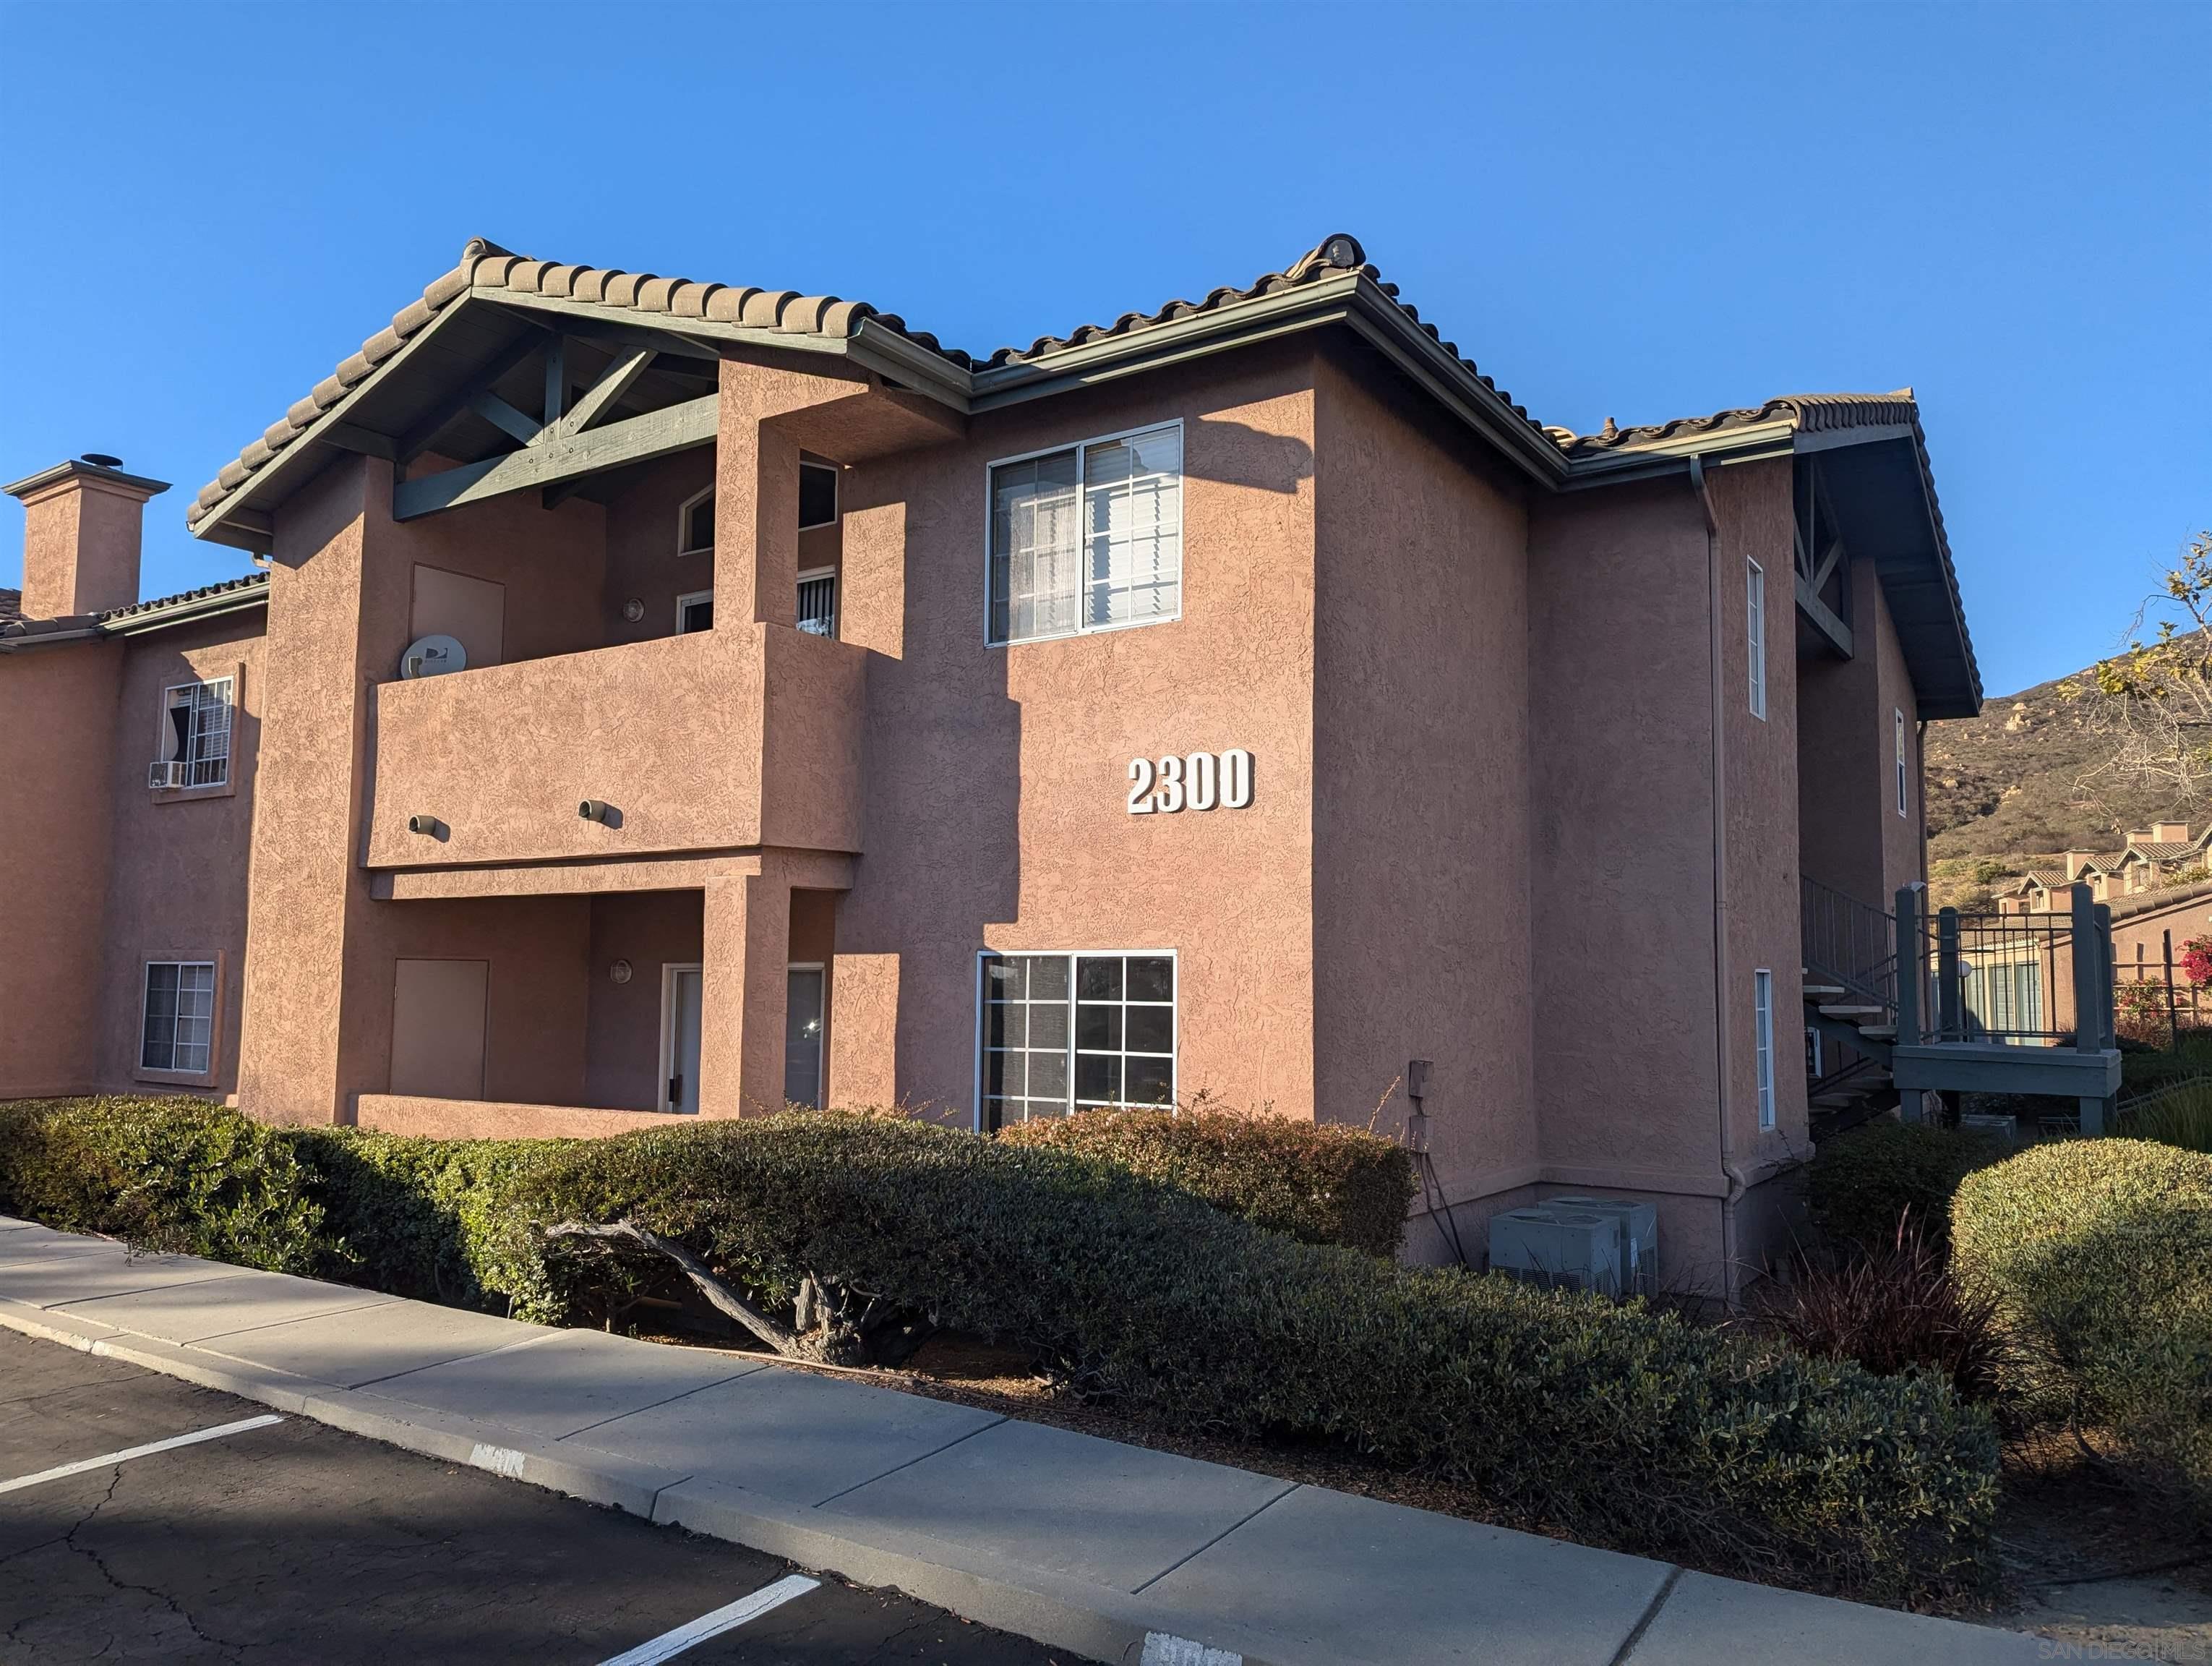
x: 694, y: 525
x: 1902, y: 809
x: 179, y: 1032
x: 817, y: 601
x: 1762, y: 1030
x: 1755, y: 618
x: 1060, y: 1032
x: 817, y: 496
x: 1087, y: 538
x: 195, y: 741
x: 695, y: 611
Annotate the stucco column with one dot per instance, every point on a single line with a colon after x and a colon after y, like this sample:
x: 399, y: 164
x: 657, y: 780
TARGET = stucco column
x: 746, y: 960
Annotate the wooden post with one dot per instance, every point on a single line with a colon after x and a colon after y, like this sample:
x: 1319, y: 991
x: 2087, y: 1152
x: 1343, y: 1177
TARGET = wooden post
x: 1950, y: 1016
x: 1909, y: 1105
x: 2088, y: 1032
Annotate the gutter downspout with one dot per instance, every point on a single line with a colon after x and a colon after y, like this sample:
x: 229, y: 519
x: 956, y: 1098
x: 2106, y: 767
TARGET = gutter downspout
x: 1722, y: 982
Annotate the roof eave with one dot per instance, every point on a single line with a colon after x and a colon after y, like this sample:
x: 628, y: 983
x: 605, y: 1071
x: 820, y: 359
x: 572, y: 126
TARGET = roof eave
x: 1352, y: 299
x: 185, y: 610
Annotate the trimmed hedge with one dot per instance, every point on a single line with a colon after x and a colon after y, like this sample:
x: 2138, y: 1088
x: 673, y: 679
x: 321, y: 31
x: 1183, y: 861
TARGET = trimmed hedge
x: 2098, y: 1253
x: 1321, y: 1182
x: 1613, y: 1423
x: 1861, y: 1183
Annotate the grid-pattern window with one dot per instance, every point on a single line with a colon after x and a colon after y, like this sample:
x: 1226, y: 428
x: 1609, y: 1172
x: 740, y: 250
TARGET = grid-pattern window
x: 1901, y: 799
x: 1073, y: 1031
x: 818, y: 602
x: 1762, y: 1022
x: 2006, y: 997
x: 179, y: 1016
x: 199, y: 731
x: 1089, y: 538
x: 1755, y: 615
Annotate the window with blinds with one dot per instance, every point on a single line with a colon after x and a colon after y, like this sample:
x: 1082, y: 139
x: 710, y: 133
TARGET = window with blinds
x: 1087, y: 538
x: 818, y: 602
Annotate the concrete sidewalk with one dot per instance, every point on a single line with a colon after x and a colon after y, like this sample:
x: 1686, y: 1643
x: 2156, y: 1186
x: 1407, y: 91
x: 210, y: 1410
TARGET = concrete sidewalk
x: 1119, y: 1552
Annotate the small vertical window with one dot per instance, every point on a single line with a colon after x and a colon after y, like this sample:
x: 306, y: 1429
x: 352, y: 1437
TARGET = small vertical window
x: 694, y: 611
x: 194, y: 735
x: 817, y: 496
x: 818, y: 602
x: 179, y: 1028
x: 1755, y: 619
x: 1762, y: 1020
x: 1901, y: 804
x: 694, y: 525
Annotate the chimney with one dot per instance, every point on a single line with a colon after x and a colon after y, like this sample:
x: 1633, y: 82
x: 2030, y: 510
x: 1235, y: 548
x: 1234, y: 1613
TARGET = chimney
x: 81, y: 527
x: 2170, y: 832
x: 2075, y: 861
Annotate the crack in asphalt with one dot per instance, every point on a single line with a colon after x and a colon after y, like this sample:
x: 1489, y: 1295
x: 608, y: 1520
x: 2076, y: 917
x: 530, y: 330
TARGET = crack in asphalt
x: 234, y: 1650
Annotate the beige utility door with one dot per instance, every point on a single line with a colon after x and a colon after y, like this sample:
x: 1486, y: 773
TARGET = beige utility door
x: 438, y: 1028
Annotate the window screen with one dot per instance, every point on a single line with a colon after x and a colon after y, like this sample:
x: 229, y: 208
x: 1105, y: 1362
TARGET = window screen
x: 199, y: 731
x: 180, y: 1032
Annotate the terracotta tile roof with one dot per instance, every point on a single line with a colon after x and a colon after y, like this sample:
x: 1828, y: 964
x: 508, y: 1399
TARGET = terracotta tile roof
x: 169, y: 604
x: 487, y: 269
x: 1808, y: 412
x: 2050, y: 879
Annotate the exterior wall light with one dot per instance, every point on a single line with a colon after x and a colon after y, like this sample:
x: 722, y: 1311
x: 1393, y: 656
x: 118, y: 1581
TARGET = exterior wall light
x: 619, y: 972
x: 633, y: 609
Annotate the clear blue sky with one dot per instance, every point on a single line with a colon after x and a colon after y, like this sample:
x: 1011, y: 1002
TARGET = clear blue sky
x: 1641, y: 212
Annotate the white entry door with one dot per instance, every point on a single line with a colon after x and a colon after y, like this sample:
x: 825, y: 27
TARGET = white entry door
x: 679, y: 1038
x: 802, y: 1038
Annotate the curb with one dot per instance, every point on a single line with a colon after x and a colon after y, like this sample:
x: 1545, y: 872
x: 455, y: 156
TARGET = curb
x: 1056, y: 1610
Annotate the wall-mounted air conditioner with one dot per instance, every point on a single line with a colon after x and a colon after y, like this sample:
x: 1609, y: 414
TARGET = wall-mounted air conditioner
x: 162, y: 777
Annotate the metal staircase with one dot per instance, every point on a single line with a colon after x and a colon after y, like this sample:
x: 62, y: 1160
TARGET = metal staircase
x: 1851, y: 1007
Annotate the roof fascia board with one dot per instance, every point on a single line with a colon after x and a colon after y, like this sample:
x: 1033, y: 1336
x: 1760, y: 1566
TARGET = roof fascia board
x: 199, y: 607
x: 1353, y: 299
x: 248, y: 528
x: 1828, y: 439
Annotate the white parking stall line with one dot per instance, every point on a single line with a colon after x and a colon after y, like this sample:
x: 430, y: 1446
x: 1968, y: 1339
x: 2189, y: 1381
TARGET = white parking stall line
x: 108, y: 1459
x: 726, y: 1618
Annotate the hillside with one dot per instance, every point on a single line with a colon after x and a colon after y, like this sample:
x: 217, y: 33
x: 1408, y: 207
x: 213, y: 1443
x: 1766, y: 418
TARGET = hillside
x: 2005, y: 784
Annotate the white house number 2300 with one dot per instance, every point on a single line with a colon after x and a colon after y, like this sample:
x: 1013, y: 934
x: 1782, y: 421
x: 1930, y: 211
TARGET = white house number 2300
x: 1198, y: 781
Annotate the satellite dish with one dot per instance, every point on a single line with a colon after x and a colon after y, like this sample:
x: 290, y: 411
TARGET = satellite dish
x: 433, y: 656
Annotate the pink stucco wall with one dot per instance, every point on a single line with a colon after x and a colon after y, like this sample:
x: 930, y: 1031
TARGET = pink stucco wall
x: 1421, y: 904
x: 996, y: 803
x: 57, y: 738
x: 179, y: 860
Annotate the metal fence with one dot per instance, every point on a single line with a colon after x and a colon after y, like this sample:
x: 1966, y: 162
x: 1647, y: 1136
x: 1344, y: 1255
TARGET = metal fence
x: 2030, y: 979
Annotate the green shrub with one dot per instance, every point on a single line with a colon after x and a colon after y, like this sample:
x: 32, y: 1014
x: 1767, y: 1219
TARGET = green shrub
x: 1322, y: 1183
x: 2098, y: 1253
x: 1860, y: 1184
x: 180, y: 1176
x: 1607, y: 1422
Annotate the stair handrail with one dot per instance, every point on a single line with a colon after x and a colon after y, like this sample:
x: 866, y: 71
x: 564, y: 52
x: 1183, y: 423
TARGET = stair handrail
x: 1848, y: 942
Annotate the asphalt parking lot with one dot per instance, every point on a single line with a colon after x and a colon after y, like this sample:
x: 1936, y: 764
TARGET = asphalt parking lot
x: 290, y: 1541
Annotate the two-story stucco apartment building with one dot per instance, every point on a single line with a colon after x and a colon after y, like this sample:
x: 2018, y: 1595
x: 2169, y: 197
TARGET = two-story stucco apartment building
x: 667, y: 698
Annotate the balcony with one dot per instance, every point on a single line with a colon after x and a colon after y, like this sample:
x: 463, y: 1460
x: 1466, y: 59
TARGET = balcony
x: 744, y: 735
